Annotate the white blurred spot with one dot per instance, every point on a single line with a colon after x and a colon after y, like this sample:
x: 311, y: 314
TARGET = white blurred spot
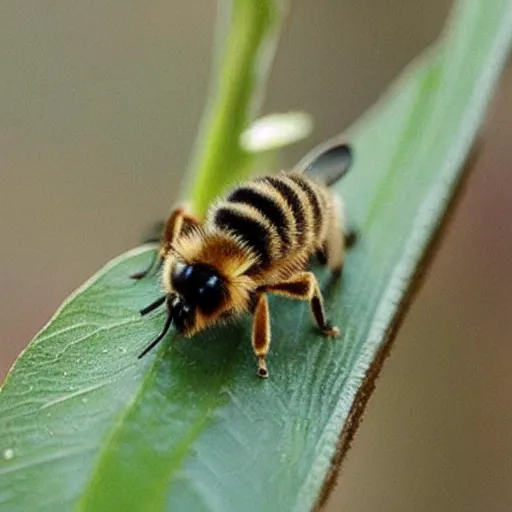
x: 276, y: 131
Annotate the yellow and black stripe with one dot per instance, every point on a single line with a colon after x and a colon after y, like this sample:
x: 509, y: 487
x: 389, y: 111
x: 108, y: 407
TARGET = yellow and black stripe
x: 274, y: 215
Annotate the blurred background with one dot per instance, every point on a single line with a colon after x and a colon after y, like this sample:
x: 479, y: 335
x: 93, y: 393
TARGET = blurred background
x: 99, y: 106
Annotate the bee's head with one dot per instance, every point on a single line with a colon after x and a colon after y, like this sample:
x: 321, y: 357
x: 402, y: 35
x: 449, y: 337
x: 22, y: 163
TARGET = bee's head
x: 199, y: 288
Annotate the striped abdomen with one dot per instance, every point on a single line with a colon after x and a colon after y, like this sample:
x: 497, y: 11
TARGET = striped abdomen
x: 275, y: 216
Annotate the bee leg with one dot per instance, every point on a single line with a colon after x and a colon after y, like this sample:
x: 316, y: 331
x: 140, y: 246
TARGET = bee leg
x: 304, y: 286
x: 351, y: 237
x: 321, y: 255
x: 178, y: 221
x: 335, y: 241
x: 155, y: 263
x: 261, y: 334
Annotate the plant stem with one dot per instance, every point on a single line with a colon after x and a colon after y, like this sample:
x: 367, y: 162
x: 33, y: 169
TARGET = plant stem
x: 236, y: 91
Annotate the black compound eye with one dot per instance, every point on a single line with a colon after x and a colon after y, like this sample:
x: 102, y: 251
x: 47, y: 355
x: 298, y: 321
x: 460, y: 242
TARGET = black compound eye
x: 211, y: 294
x: 200, y: 285
x: 181, y: 275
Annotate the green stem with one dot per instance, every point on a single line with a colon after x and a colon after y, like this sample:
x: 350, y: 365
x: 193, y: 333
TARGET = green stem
x: 235, y: 95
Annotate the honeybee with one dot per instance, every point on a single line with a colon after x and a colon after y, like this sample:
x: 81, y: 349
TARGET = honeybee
x: 254, y: 241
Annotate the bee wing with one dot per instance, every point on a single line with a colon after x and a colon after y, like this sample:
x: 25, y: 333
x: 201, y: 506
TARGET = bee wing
x: 328, y: 165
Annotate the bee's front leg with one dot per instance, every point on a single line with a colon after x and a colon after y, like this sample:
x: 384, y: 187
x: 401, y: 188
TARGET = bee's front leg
x: 261, y: 334
x: 177, y: 221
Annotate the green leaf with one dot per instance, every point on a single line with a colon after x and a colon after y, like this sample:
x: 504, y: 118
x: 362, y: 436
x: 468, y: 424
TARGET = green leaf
x: 85, y: 425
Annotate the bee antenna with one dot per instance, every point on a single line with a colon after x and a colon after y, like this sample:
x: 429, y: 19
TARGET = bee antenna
x: 159, y: 338
x: 157, y: 303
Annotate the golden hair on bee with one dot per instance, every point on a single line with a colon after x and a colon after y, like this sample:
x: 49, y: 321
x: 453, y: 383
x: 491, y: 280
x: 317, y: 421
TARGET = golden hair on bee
x: 255, y: 240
